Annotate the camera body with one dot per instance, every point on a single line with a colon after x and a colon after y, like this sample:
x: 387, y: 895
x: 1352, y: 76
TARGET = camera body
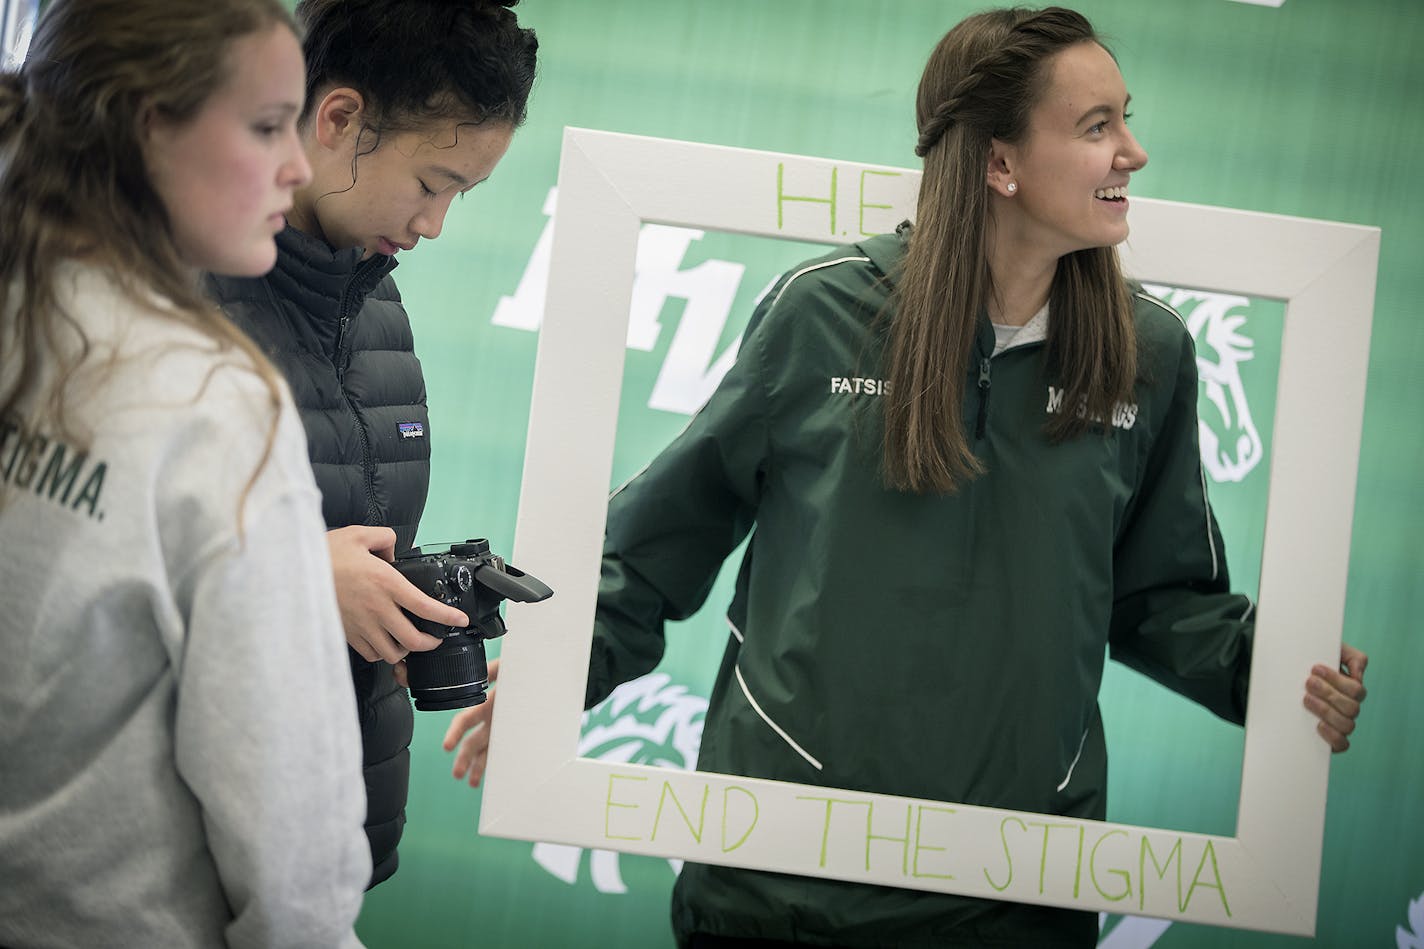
x: 468, y: 577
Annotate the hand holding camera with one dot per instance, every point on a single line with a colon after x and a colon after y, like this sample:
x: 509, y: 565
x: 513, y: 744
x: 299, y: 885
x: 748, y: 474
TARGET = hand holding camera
x: 374, y: 597
x: 472, y: 579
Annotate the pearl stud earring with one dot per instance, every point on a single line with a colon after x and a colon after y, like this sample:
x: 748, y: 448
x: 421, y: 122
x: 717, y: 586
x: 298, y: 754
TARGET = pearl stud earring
x: 1012, y: 187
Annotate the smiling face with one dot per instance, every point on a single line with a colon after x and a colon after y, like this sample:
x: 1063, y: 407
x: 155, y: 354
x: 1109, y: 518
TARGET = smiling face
x: 402, y: 190
x: 227, y: 176
x: 1070, y: 172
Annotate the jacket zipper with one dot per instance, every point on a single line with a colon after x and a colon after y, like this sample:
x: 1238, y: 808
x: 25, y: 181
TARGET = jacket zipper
x: 983, y: 398
x: 368, y: 467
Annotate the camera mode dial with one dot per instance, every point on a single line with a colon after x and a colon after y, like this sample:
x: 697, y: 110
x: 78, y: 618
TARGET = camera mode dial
x: 464, y: 579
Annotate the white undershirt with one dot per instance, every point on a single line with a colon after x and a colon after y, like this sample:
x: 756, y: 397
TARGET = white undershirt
x: 1034, y: 330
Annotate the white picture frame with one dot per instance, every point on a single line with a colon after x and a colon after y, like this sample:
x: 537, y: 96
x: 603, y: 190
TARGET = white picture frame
x: 538, y: 788
x: 17, y: 26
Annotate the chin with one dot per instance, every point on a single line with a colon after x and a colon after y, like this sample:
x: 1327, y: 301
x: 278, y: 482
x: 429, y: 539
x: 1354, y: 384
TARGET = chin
x: 254, y: 264
x: 1109, y: 240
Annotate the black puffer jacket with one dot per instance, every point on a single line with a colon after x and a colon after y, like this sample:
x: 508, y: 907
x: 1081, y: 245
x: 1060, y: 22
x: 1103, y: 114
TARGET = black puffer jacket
x: 335, y: 327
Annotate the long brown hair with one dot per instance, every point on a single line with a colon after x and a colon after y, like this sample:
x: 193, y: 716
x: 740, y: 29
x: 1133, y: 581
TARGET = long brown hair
x: 74, y: 184
x: 981, y: 83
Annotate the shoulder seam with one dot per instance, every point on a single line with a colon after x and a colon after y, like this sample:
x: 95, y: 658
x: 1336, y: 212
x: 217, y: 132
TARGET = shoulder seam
x: 808, y: 269
x: 1142, y: 294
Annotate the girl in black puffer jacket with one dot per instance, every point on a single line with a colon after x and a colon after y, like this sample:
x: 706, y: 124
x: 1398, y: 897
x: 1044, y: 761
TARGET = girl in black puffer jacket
x: 410, y: 103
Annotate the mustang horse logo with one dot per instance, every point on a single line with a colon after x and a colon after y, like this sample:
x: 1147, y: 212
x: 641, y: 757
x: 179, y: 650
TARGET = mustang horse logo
x: 1230, y: 443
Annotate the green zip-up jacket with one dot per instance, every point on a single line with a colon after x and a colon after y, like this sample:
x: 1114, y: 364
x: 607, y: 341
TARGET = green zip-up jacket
x: 947, y: 647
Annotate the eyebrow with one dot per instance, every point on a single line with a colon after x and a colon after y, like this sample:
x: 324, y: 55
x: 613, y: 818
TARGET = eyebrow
x: 456, y: 177
x: 1102, y: 109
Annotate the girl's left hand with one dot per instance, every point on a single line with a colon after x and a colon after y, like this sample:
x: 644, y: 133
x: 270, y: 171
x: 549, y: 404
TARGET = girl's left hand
x: 1334, y: 696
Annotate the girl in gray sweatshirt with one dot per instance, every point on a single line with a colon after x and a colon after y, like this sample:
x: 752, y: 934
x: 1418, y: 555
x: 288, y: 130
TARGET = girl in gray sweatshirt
x: 180, y: 763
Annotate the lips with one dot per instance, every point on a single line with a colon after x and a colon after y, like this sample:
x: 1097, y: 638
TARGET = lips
x: 389, y: 247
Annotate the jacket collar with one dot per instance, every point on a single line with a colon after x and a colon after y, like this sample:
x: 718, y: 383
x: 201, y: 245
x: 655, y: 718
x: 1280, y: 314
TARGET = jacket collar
x: 887, y: 252
x: 322, y: 279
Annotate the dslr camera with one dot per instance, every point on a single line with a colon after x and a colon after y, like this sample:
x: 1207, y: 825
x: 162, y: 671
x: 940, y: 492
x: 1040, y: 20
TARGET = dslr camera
x: 470, y: 578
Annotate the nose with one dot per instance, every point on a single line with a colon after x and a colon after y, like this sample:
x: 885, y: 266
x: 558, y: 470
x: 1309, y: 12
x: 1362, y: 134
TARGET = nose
x: 1131, y: 156
x: 295, y: 171
x: 430, y: 221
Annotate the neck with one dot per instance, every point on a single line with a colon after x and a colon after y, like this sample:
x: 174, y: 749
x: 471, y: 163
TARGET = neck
x: 303, y: 213
x: 1022, y: 274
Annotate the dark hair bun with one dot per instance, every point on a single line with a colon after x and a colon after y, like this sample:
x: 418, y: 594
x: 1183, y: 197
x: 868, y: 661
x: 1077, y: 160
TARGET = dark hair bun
x: 417, y: 60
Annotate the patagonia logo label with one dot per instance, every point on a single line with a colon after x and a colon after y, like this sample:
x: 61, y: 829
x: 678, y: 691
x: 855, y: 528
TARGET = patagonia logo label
x: 411, y: 429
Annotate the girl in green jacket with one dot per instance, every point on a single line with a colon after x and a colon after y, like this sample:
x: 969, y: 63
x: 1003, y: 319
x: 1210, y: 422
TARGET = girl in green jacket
x: 942, y: 557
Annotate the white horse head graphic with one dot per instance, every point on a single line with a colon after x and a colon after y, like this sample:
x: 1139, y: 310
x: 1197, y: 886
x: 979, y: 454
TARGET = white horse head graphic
x: 1230, y: 444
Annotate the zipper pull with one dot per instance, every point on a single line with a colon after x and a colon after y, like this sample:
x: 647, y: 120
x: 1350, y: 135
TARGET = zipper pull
x: 336, y: 357
x: 983, y: 399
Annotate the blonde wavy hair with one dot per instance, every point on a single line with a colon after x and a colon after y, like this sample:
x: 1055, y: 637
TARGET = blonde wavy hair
x: 74, y: 184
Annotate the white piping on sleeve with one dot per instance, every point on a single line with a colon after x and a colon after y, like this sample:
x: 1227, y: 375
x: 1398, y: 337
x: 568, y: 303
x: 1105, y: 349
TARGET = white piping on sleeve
x: 774, y: 727
x: 1149, y: 298
x: 735, y: 632
x: 806, y: 270
x: 1069, y: 776
x: 1201, y: 472
x: 1206, y: 513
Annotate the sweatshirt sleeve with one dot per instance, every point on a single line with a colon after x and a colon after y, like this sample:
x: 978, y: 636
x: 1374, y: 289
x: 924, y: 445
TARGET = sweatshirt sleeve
x: 1174, y: 617
x: 266, y: 729
x: 671, y: 527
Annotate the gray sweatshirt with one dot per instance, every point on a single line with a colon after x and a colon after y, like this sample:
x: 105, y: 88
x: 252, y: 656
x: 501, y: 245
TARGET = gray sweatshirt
x: 180, y: 763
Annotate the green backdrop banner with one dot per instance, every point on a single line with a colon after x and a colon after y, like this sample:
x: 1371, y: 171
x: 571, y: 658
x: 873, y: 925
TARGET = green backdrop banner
x: 1307, y: 108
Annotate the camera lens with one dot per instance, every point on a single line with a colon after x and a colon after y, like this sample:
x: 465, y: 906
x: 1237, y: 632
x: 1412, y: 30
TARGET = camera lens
x: 453, y: 675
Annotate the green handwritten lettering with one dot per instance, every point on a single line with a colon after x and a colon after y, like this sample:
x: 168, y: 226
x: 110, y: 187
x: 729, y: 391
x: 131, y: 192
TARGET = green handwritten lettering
x: 727, y: 807
x: 903, y: 841
x: 1208, y: 854
x: 1078, y: 864
x: 609, y: 804
x: 865, y: 173
x: 1043, y: 857
x: 1174, y: 856
x: 1007, y: 856
x: 1093, y: 871
x: 782, y: 197
x: 668, y: 793
x: 921, y: 845
x: 826, y: 827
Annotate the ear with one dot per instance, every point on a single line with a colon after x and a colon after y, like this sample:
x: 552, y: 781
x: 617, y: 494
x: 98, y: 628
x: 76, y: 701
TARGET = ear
x: 338, y: 117
x: 1003, y: 159
x: 148, y: 125
x: 152, y: 134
